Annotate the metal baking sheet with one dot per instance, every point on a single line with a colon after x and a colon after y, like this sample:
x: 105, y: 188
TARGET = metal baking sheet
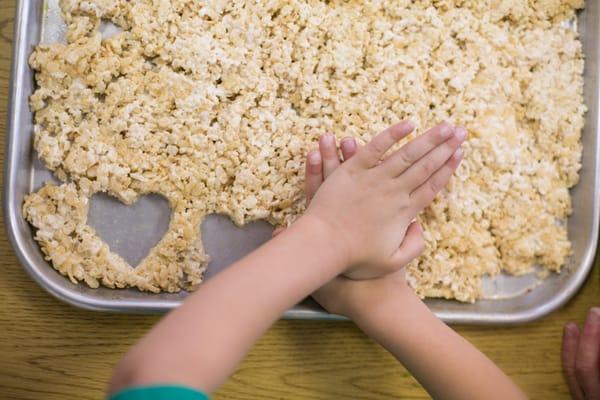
x: 508, y: 299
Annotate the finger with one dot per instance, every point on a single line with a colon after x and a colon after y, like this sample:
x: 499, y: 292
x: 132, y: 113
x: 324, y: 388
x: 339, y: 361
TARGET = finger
x: 411, y: 152
x: 313, y: 175
x: 277, y: 232
x: 569, y: 353
x: 349, y: 147
x: 329, y: 154
x: 424, y: 194
x: 382, y: 142
x: 411, y: 247
x: 586, y: 362
x: 424, y: 168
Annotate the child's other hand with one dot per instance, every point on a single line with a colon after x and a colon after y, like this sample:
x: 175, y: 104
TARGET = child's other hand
x: 368, y: 203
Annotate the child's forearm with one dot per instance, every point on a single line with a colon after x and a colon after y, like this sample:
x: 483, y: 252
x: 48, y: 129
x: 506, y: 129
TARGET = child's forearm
x: 447, y: 365
x: 200, y: 343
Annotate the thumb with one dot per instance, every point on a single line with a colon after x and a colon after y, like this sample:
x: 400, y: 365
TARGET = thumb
x: 411, y: 247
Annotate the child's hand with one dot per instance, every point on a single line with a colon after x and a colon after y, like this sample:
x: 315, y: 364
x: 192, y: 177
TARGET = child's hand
x: 369, y: 202
x: 342, y: 295
x: 388, y: 311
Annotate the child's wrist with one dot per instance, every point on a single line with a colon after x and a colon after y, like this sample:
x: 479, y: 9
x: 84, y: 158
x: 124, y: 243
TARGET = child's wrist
x: 376, y: 307
x: 324, y: 237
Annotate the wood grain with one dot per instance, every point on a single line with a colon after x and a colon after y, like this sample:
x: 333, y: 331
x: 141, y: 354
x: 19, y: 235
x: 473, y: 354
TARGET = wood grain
x: 49, y: 350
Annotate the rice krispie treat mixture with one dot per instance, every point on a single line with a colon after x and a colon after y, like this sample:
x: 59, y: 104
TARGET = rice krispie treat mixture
x: 214, y: 105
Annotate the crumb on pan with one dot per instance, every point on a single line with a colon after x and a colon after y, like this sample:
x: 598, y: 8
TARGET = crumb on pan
x: 214, y: 105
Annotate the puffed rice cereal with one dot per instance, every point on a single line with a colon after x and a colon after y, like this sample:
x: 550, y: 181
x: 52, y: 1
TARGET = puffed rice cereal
x: 213, y: 105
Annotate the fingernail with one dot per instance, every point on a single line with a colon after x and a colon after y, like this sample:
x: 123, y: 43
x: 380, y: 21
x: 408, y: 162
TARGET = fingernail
x: 594, y: 315
x: 570, y: 329
x: 461, y: 133
x: 314, y: 158
x: 445, y: 130
x: 348, y: 144
x: 327, y: 139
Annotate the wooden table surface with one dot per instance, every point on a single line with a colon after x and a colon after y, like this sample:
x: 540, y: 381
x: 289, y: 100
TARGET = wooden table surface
x: 49, y: 350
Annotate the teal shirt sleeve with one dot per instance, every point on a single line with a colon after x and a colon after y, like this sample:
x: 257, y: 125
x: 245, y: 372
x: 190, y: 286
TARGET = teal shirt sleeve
x: 159, y: 392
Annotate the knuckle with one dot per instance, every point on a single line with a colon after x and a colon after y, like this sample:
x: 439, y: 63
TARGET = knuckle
x: 314, y: 170
x: 420, y: 202
x: 330, y: 156
x: 378, y: 146
x: 427, y: 168
x: 434, y: 187
x: 405, y: 158
x: 404, y: 200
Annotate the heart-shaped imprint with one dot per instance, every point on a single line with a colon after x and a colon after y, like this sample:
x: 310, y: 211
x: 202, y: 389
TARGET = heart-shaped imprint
x: 177, y: 260
x: 130, y: 230
x: 226, y: 243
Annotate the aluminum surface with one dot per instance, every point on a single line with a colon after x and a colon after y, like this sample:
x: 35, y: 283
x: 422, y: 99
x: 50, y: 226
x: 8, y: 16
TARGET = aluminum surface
x: 509, y: 299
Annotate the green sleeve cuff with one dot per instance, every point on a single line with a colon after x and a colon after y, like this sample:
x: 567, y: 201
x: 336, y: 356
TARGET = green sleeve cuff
x: 159, y: 392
